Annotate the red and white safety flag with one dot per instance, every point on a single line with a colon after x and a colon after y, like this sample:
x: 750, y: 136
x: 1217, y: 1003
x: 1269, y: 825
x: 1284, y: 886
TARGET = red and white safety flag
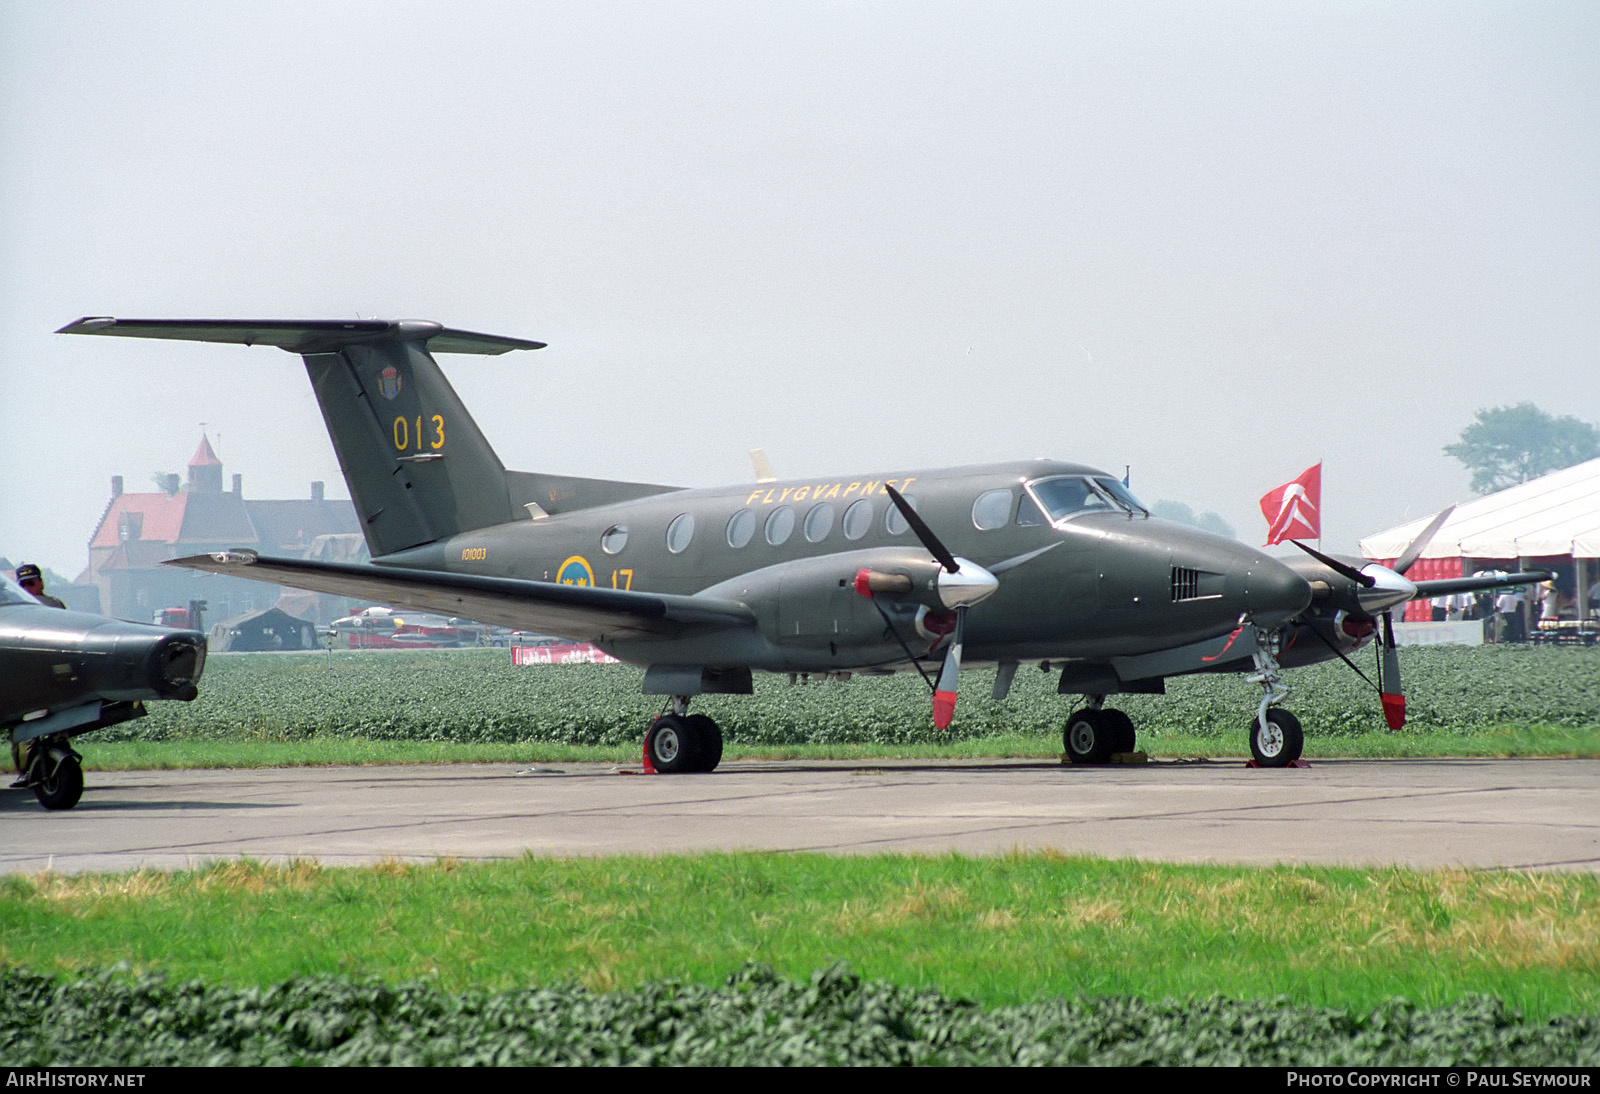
x: 1293, y: 510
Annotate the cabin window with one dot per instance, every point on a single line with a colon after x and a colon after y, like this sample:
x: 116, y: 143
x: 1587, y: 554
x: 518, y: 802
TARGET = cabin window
x: 1029, y: 514
x: 896, y: 524
x: 614, y: 539
x: 858, y: 519
x: 741, y: 528
x: 819, y: 522
x: 680, y: 532
x: 780, y: 525
x: 992, y: 509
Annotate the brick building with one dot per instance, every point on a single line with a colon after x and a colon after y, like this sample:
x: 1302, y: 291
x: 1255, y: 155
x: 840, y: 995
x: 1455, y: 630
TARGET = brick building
x: 138, y: 532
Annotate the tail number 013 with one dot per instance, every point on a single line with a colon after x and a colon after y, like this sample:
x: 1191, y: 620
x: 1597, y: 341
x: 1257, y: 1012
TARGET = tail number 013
x: 432, y: 436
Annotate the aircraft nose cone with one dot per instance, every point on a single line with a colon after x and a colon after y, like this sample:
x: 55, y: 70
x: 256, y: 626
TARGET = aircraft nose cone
x: 1273, y: 593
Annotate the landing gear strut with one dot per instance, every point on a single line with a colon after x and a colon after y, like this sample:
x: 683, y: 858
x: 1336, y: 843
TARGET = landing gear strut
x: 1276, y: 738
x: 679, y: 742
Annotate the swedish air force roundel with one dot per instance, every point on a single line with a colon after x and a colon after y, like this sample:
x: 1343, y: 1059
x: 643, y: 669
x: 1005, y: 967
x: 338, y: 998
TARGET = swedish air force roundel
x: 575, y: 571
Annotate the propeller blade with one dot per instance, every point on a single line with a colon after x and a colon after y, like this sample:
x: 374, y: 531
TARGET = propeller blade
x: 1366, y: 581
x: 944, y: 692
x: 1420, y: 544
x: 1392, y: 691
x: 938, y: 550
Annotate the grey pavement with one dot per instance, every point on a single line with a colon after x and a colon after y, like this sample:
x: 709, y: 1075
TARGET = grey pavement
x: 1480, y: 814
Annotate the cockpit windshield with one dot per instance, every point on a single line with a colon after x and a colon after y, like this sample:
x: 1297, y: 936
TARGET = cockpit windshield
x: 1122, y: 495
x: 1069, y: 495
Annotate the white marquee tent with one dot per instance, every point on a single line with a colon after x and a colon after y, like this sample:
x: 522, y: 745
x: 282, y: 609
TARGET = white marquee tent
x: 1552, y: 517
x: 1556, y: 514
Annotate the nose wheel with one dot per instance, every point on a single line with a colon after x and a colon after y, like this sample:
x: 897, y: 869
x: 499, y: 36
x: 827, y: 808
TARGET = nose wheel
x: 1276, y: 738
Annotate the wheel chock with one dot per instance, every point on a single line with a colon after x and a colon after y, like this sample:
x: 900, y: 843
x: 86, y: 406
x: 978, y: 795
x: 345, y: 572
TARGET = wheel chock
x: 1262, y: 767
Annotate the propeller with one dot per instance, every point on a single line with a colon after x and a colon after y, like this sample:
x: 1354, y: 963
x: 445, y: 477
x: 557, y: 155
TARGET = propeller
x: 1379, y: 589
x: 962, y: 585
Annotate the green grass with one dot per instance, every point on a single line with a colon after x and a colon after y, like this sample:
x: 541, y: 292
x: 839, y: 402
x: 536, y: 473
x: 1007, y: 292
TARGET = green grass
x: 998, y: 930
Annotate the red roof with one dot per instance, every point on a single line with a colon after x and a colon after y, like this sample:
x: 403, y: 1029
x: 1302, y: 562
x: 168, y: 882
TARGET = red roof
x: 204, y: 456
x: 176, y: 518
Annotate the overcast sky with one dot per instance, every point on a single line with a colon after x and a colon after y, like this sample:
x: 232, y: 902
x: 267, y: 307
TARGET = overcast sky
x: 1215, y: 241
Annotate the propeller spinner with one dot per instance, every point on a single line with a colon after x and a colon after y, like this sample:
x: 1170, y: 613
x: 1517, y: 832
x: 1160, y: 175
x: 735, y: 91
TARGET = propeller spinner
x: 1378, y: 591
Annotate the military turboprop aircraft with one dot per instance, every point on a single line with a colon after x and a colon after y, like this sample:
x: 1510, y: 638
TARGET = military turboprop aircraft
x: 63, y: 673
x: 1030, y: 561
x: 384, y: 628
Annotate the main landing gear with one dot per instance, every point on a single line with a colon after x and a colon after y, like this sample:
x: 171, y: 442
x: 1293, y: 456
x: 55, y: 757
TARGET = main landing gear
x: 1094, y: 734
x: 679, y: 742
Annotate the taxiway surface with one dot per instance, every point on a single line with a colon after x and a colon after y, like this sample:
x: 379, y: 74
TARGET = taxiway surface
x: 1480, y: 814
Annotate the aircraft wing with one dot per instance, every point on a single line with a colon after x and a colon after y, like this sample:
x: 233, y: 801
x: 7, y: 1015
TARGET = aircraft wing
x: 570, y: 611
x: 1449, y: 586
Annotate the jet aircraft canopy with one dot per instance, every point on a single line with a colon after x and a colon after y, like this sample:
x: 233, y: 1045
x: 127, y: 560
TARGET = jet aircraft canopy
x: 12, y: 593
x: 1063, y: 496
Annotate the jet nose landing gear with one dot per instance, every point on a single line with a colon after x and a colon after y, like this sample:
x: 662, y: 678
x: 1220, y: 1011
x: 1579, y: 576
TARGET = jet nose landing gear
x: 681, y: 742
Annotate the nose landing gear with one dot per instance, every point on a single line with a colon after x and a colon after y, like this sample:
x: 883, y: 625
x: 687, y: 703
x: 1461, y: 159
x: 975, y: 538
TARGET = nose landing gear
x: 1276, y: 738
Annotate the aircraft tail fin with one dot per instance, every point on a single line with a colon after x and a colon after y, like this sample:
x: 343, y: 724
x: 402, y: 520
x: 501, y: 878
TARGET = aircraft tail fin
x: 418, y: 467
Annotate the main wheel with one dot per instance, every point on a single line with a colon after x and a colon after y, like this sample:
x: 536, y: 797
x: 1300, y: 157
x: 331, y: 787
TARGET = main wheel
x: 1122, y: 732
x: 1089, y: 738
x: 62, y: 784
x: 707, y: 736
x: 1282, y: 742
x: 672, y: 745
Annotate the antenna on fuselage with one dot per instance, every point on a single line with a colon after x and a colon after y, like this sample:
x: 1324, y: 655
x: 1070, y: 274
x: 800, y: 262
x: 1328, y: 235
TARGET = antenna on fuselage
x: 758, y: 460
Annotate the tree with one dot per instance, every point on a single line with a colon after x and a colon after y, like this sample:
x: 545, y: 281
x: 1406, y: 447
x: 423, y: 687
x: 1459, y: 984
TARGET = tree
x: 1506, y: 445
x: 1178, y: 511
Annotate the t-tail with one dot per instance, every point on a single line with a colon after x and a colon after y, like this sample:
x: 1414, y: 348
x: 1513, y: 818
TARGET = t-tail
x: 418, y: 467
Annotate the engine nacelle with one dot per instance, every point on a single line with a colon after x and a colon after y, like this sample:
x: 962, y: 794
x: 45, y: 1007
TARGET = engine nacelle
x: 826, y: 604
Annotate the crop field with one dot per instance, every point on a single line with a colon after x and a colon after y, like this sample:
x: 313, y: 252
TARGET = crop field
x: 477, y: 696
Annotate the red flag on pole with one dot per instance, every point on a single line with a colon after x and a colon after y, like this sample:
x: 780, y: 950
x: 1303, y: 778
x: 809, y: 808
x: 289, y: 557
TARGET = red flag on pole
x: 1293, y: 510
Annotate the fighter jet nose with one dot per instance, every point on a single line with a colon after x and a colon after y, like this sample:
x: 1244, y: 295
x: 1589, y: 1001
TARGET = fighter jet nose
x: 1273, y: 593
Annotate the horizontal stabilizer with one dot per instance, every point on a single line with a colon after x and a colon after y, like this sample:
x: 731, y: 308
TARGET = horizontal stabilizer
x: 581, y: 612
x: 303, y: 335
